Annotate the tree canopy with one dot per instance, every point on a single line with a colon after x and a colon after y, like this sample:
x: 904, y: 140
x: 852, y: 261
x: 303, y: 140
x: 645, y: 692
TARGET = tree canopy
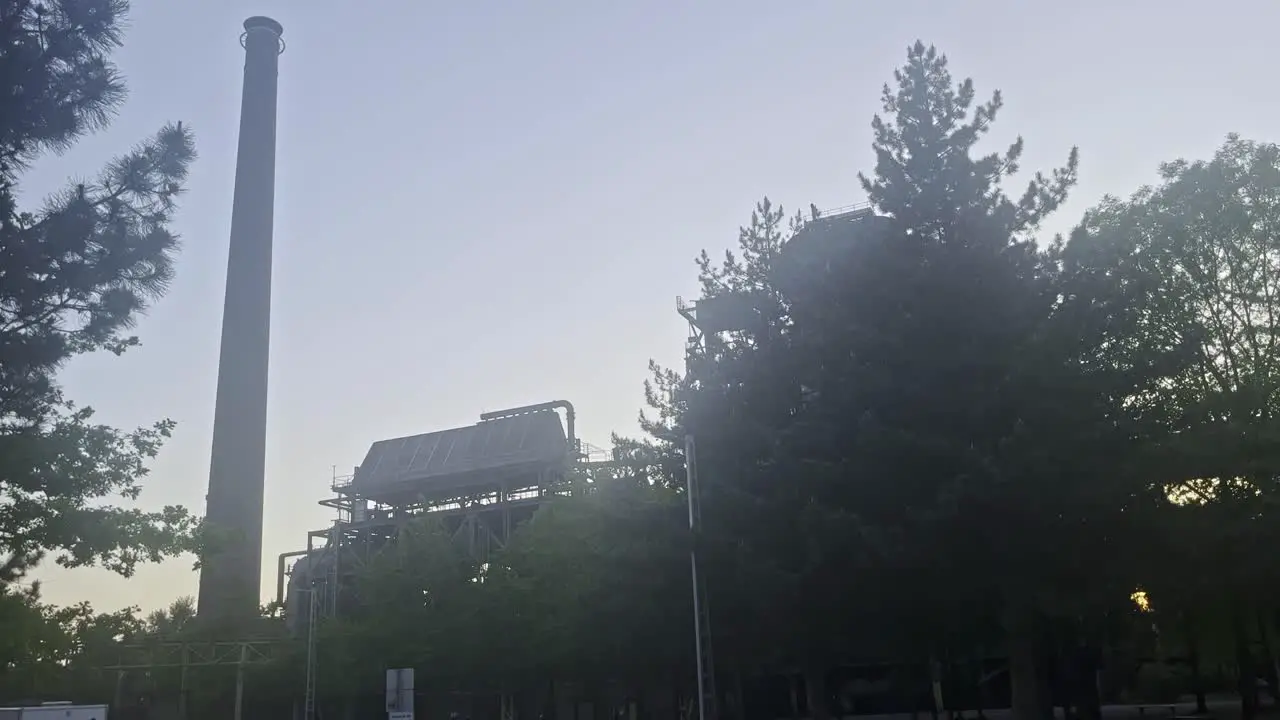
x: 75, y: 274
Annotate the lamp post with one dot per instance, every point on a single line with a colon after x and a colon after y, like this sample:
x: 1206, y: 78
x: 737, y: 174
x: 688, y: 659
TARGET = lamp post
x: 313, y: 609
x: 701, y: 619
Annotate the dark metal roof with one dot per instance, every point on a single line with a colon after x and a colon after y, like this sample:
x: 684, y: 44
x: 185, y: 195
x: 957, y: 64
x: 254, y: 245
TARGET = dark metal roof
x: 808, y: 254
x: 437, y: 457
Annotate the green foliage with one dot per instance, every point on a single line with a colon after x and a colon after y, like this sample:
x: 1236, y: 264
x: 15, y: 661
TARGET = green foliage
x: 74, y: 276
x: 926, y: 177
x: 1203, y: 245
x: 415, y: 603
x: 909, y: 407
x: 595, y: 583
x: 47, y: 650
x: 172, y: 621
x: 600, y: 582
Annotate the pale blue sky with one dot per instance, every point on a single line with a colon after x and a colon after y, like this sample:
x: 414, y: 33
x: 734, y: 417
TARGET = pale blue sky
x: 485, y: 204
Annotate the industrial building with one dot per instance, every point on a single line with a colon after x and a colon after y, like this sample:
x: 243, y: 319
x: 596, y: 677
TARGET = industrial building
x: 479, y: 481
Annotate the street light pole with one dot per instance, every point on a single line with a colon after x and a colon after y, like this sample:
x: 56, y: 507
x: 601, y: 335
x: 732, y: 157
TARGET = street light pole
x: 701, y: 617
x: 313, y: 609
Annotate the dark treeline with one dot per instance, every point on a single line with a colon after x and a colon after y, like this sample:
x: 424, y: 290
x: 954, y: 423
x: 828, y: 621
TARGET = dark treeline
x: 938, y: 438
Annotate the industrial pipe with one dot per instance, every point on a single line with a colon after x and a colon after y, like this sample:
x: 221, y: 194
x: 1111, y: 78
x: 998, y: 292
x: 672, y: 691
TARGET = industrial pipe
x: 281, y: 572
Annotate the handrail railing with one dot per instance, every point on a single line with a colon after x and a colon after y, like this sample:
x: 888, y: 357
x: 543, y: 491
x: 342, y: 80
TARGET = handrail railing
x: 856, y: 208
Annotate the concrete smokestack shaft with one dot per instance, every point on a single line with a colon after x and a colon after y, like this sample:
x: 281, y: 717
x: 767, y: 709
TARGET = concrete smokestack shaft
x: 230, y: 576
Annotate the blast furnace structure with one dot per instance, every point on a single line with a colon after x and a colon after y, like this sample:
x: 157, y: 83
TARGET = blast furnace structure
x: 230, y: 576
x: 476, y: 482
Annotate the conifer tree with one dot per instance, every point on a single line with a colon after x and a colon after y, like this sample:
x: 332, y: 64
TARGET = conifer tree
x: 926, y: 175
x: 952, y: 304
x: 75, y: 275
x: 959, y: 386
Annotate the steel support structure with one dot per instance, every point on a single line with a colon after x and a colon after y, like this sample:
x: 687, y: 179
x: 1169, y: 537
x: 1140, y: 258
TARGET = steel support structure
x: 187, y: 655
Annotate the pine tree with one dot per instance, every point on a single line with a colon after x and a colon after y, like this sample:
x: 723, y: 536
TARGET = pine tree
x: 74, y: 277
x: 926, y: 175
x: 958, y: 398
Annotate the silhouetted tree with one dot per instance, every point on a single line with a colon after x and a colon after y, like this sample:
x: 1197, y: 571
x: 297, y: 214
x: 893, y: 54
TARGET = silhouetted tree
x: 74, y: 276
x: 57, y: 652
x: 1205, y: 244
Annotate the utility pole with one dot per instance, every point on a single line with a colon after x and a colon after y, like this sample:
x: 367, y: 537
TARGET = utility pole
x: 707, y: 709
x: 240, y: 663
x: 309, y: 702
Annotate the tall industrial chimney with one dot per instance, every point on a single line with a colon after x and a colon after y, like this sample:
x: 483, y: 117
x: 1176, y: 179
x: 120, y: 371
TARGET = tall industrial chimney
x: 230, y: 574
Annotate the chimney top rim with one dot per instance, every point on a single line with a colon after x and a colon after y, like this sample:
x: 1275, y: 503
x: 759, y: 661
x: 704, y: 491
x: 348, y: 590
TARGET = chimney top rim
x: 262, y: 22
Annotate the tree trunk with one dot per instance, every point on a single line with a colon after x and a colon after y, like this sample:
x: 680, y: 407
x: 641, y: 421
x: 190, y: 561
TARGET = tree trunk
x: 1246, y: 672
x: 1056, y: 676
x: 1026, y: 675
x: 935, y: 688
x: 1197, y: 673
x: 1268, y: 660
x: 547, y: 704
x: 981, y: 694
x: 1086, y: 664
x: 739, y: 695
x: 1062, y: 685
x: 815, y: 688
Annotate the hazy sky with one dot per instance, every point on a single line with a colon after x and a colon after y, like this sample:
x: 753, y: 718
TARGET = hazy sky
x: 487, y: 204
